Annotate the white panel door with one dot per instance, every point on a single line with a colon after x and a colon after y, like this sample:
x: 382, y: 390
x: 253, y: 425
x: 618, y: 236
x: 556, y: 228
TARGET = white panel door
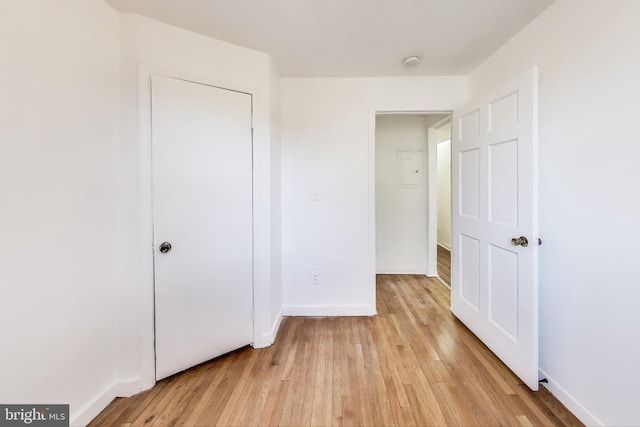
x: 202, y: 207
x: 494, y: 274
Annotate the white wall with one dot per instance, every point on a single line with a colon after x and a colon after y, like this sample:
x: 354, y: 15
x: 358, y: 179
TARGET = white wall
x: 149, y: 47
x: 58, y: 139
x: 327, y: 147
x: 76, y: 208
x: 401, y: 213
x: 443, y: 157
x: 589, y: 59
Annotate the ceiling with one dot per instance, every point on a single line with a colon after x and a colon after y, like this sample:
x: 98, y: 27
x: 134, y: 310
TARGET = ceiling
x: 353, y: 38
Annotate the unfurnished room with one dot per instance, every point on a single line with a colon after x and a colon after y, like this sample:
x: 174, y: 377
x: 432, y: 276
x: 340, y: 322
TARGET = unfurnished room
x: 314, y: 213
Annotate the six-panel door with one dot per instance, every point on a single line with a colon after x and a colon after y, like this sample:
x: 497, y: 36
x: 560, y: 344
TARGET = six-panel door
x: 494, y: 288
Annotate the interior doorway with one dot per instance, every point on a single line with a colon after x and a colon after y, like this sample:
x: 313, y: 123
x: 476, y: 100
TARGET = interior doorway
x: 406, y: 196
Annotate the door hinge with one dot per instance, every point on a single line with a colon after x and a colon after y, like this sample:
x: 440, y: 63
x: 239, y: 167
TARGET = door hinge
x: 252, y: 122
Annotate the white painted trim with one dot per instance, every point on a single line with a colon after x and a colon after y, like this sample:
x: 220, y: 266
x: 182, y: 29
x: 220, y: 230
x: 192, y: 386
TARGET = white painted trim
x: 146, y: 303
x: 432, y: 214
x: 260, y: 210
x: 93, y: 409
x: 372, y: 207
x: 269, y: 338
x: 443, y: 283
x: 395, y: 109
x: 425, y: 112
x: 569, y: 401
x: 432, y: 202
x: 444, y: 122
x: 444, y: 246
x: 329, y: 311
x: 396, y: 271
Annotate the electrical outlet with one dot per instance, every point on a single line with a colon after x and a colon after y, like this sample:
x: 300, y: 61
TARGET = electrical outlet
x: 315, y: 277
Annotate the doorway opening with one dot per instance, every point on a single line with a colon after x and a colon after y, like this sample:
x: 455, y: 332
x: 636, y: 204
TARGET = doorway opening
x: 407, y: 200
x: 441, y: 137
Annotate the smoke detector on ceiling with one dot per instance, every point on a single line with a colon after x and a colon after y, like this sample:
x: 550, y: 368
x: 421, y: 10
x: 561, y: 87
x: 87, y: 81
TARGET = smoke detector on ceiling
x: 411, y: 61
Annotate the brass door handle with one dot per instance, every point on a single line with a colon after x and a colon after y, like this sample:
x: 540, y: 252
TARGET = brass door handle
x: 520, y: 241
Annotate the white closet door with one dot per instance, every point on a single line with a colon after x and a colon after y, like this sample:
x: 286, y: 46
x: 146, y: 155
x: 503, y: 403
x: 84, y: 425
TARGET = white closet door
x: 202, y: 208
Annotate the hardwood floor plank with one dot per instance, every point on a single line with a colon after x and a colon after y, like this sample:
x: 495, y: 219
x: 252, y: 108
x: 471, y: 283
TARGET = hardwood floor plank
x: 306, y: 411
x: 256, y: 394
x: 524, y: 421
x: 319, y: 373
x: 412, y: 364
x: 465, y: 409
x: 345, y: 379
x: 444, y: 264
x: 338, y: 375
x: 184, y: 394
x: 327, y: 395
x: 156, y: 407
x: 134, y: 406
x: 407, y: 415
x: 209, y: 388
x: 304, y: 380
x: 272, y: 394
x: 552, y: 408
x: 114, y: 410
x: 377, y: 386
x: 222, y: 395
x: 366, y: 409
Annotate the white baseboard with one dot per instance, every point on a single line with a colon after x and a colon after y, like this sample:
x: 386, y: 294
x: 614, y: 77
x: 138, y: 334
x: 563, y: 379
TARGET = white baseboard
x: 396, y: 271
x: 445, y: 284
x: 270, y: 337
x: 445, y: 246
x: 329, y: 311
x: 92, y: 409
x: 569, y: 401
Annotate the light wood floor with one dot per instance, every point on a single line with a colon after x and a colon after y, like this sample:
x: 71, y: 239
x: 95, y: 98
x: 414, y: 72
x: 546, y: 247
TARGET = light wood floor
x: 444, y: 264
x: 413, y: 364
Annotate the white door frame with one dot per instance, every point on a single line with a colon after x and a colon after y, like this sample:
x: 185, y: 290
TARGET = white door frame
x: 144, y: 301
x: 432, y: 185
x: 403, y: 110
